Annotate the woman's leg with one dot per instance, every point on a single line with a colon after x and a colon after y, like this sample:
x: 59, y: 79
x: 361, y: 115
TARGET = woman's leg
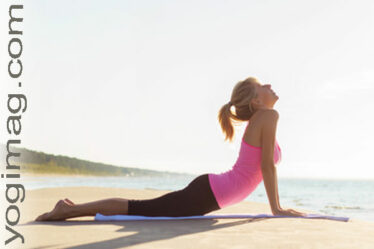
x: 65, y: 209
x: 195, y: 199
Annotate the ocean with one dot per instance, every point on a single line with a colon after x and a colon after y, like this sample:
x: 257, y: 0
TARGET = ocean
x: 349, y: 198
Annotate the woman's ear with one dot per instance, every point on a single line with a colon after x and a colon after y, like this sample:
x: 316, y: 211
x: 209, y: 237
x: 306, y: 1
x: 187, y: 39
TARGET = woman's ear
x: 252, y: 104
x: 255, y: 101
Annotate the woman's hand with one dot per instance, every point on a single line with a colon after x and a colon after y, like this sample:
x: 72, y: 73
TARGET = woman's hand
x: 288, y: 212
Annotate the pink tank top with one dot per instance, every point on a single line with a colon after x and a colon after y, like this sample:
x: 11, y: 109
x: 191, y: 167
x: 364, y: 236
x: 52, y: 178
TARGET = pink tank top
x: 236, y: 184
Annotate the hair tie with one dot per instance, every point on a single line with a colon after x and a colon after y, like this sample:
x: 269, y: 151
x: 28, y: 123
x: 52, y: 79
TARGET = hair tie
x: 230, y: 103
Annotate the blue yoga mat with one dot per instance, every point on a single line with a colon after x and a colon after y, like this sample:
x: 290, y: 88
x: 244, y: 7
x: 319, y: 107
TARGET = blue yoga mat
x: 102, y: 217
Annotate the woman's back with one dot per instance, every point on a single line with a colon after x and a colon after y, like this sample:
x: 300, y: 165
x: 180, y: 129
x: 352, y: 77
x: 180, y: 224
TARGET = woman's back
x: 252, y: 133
x: 237, y: 183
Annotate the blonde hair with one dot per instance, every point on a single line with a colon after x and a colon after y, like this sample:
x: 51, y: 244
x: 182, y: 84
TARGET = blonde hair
x: 241, y: 96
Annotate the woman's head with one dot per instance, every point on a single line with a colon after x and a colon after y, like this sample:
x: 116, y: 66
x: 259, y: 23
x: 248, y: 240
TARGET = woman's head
x: 248, y: 96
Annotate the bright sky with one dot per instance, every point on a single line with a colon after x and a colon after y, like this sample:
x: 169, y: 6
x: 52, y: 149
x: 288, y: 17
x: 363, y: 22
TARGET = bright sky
x: 140, y: 84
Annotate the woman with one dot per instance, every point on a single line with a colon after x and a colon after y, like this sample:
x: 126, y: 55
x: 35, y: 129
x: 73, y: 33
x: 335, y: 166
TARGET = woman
x: 258, y: 156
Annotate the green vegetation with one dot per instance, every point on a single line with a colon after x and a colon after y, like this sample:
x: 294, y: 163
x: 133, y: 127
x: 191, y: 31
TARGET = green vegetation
x: 42, y: 163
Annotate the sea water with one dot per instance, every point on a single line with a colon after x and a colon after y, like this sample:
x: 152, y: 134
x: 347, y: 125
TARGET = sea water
x: 350, y: 198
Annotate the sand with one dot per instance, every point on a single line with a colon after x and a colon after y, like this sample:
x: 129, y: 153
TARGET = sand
x: 84, y: 232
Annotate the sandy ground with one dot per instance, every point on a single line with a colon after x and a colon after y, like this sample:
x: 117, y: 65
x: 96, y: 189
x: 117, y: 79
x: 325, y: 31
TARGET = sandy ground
x: 85, y: 233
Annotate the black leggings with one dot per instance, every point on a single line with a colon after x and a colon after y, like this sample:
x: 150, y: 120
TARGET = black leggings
x: 196, y: 198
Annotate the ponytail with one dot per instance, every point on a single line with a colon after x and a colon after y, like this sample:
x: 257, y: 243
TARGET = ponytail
x: 241, y: 96
x: 224, y: 118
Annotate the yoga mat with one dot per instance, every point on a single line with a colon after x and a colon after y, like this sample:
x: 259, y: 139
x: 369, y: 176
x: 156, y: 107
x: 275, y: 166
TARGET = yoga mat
x: 101, y: 217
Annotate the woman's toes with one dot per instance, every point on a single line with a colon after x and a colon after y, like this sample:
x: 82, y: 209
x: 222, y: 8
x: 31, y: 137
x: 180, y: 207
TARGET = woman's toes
x: 41, y: 217
x: 69, y: 201
x: 38, y: 218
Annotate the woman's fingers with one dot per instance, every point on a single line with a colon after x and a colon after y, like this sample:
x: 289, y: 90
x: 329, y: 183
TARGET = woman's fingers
x: 294, y: 212
x: 298, y: 213
x: 290, y: 212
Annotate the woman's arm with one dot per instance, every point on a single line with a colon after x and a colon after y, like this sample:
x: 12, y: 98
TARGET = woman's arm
x: 271, y: 185
x: 269, y: 173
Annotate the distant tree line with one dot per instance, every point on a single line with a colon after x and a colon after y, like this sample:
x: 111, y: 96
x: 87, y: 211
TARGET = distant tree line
x: 40, y: 162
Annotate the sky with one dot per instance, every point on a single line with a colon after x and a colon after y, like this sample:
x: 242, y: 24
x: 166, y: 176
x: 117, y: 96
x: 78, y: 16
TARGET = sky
x: 140, y: 83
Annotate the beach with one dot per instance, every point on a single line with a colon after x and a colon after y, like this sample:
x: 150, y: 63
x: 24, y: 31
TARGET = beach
x: 84, y: 232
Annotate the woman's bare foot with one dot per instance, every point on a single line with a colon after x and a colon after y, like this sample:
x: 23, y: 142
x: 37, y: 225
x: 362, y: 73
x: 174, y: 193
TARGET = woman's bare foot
x: 60, y: 212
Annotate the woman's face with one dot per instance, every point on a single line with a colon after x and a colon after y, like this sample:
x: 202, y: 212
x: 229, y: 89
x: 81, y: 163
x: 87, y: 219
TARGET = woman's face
x: 266, y: 97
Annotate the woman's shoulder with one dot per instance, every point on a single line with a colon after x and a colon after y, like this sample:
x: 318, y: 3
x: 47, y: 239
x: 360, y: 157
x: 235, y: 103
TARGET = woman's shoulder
x: 257, y: 124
